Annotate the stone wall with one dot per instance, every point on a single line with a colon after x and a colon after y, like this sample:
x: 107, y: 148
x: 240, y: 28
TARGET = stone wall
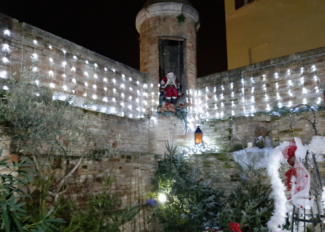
x: 261, y: 87
x: 109, y: 86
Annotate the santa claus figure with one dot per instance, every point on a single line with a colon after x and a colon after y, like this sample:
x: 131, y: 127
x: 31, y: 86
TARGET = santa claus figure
x: 169, y: 85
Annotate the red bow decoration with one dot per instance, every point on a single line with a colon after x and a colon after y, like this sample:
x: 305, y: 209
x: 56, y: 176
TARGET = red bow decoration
x: 234, y: 227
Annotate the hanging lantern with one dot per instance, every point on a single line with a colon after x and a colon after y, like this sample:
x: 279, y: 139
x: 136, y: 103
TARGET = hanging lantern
x: 198, y: 136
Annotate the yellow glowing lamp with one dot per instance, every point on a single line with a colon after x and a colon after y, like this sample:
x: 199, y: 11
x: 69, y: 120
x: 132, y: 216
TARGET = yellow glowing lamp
x: 198, y: 136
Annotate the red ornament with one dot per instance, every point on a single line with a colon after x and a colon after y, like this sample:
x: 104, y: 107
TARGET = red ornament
x: 234, y: 227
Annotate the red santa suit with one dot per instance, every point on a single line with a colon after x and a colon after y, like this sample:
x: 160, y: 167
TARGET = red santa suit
x: 169, y: 84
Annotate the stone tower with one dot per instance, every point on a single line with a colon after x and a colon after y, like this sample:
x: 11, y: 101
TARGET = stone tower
x: 168, y: 40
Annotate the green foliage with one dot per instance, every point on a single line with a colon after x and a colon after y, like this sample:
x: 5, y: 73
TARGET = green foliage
x: 103, y: 213
x: 181, y: 18
x: 13, y: 218
x: 50, y: 130
x: 192, y: 203
x: 249, y: 204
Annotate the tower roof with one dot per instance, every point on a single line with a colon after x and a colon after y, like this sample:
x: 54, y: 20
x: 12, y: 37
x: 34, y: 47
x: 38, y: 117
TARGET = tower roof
x: 150, y: 2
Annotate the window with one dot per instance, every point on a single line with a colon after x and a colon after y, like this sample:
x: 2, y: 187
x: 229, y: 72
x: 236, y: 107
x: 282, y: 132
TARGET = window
x: 241, y: 3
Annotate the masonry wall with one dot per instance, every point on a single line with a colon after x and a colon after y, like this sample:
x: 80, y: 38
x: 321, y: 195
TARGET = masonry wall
x: 109, y: 86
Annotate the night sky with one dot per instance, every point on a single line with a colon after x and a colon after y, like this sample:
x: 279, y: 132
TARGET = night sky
x: 108, y: 27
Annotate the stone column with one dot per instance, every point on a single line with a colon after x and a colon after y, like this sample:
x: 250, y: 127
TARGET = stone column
x: 159, y: 20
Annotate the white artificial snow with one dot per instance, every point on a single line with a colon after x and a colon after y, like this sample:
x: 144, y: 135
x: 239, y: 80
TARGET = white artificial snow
x: 278, y: 189
x: 317, y: 146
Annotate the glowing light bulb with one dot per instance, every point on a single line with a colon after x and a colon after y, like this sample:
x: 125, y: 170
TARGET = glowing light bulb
x: 95, y: 76
x: 105, y: 69
x: 75, y: 58
x: 6, y: 32
x: 232, y: 113
x: 94, y: 107
x: 105, y: 99
x: 268, y: 107
x: 302, y: 80
x: 5, y: 47
x: 74, y: 80
x: 94, y: 96
x: 301, y: 70
x: 5, y: 87
x: 104, y: 109
x: 64, y: 63
x: 252, y: 91
x: 313, y: 68
x: 304, y: 101
x: 51, y: 73
x: 34, y: 56
x: 145, y: 86
x: 113, y: 70
x: 52, y: 85
x: 130, y: 107
x: 86, y: 74
x: 35, y: 41
x: 114, y: 90
x: 130, y: 97
x: 105, y: 88
x: 95, y: 65
x: 304, y: 90
x: 86, y: 84
x: 5, y: 60
x: 113, y: 99
x: 114, y: 81
x: 3, y: 74
x: 94, y: 86
x: 122, y: 86
x: 252, y: 99
x: 280, y: 105
x: 64, y: 51
x: 51, y: 60
x: 64, y: 75
x: 37, y: 82
x: 316, y: 89
x: 290, y: 104
x: 105, y: 79
x: 50, y: 47
x: 276, y: 75
x: 162, y: 197
x: 87, y: 62
x: 65, y: 88
x: 130, y: 89
x: 73, y: 69
x: 122, y: 95
x: 85, y: 94
x: 289, y: 82
x: 122, y: 104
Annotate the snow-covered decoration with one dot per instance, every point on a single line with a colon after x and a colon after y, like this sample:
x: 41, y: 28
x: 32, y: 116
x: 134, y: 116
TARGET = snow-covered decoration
x: 278, y: 189
x: 301, y: 179
x: 317, y: 147
x: 254, y: 156
x: 198, y: 149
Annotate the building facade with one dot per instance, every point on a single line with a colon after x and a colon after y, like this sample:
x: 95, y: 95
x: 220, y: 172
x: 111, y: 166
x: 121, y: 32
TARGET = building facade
x: 259, y: 30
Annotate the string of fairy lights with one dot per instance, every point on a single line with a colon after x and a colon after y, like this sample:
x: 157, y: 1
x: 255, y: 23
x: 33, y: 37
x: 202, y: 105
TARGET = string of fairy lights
x: 250, y: 94
x: 110, y: 91
x: 90, y: 85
